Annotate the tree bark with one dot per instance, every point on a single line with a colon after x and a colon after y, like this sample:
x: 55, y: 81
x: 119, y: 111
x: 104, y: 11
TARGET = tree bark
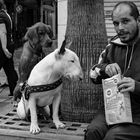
x: 86, y: 28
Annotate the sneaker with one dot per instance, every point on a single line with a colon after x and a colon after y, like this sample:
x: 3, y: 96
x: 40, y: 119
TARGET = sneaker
x: 3, y: 85
x: 10, y: 95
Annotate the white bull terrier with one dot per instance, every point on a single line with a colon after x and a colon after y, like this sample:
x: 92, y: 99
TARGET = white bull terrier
x: 44, y: 85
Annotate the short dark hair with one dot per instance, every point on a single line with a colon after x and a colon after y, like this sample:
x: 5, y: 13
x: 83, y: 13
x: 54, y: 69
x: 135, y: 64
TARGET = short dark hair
x: 134, y: 10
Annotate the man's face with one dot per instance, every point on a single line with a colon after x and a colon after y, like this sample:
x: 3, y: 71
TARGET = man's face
x: 126, y: 26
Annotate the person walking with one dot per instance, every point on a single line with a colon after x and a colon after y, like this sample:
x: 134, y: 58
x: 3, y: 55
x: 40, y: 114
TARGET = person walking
x: 7, y: 48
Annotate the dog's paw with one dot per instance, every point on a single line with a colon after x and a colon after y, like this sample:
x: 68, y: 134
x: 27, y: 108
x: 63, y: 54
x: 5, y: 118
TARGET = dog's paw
x: 34, y: 129
x: 59, y: 124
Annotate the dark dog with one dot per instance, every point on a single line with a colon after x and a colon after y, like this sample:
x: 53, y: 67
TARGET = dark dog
x: 37, y: 36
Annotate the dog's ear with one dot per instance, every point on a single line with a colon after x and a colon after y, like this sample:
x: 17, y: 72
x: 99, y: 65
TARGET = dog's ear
x: 31, y: 35
x: 49, y: 31
x: 62, y: 49
x: 68, y: 44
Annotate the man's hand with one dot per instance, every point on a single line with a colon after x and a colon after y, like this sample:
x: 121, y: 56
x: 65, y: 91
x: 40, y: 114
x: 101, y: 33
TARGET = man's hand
x: 127, y: 84
x: 7, y: 53
x: 112, y: 69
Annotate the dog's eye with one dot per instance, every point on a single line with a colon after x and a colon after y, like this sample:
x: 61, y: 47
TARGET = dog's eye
x: 41, y: 33
x: 72, y: 61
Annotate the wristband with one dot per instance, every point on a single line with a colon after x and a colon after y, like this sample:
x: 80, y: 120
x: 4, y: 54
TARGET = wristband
x: 21, y: 86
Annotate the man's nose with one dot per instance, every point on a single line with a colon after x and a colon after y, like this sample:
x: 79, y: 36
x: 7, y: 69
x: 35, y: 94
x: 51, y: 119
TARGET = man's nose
x: 121, y: 26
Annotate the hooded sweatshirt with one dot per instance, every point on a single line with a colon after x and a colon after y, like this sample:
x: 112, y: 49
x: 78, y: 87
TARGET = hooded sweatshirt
x: 128, y: 59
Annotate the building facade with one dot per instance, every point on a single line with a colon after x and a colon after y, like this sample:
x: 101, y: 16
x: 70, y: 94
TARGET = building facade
x: 108, y: 6
x: 25, y: 13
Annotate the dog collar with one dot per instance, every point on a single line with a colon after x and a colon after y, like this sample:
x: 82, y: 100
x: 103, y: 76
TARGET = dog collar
x: 40, y: 88
x: 36, y: 51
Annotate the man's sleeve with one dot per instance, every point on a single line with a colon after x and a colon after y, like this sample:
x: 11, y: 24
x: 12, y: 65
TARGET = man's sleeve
x: 97, y: 72
x: 137, y: 88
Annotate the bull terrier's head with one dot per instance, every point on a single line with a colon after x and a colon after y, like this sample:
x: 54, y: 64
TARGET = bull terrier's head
x: 69, y: 62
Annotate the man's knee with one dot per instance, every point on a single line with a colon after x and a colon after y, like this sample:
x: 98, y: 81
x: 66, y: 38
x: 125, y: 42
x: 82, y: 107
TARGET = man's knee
x: 112, y: 134
x: 97, y: 129
x: 95, y: 132
x: 92, y: 134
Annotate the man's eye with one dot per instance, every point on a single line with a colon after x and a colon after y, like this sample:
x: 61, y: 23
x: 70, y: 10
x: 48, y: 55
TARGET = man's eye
x: 125, y: 21
x: 115, y: 23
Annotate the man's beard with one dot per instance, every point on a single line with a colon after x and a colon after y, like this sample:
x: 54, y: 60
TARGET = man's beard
x: 132, y: 38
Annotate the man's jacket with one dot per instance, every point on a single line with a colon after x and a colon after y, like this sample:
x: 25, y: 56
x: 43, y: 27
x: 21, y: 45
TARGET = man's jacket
x: 128, y: 58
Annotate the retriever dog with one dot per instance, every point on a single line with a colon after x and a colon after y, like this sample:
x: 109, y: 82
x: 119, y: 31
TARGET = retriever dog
x: 37, y: 36
x: 44, y: 84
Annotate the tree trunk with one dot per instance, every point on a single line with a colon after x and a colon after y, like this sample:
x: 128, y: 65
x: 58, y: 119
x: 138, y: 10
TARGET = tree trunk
x: 86, y: 28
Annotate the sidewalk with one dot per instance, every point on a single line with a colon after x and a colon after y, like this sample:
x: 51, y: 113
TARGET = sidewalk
x: 5, y: 100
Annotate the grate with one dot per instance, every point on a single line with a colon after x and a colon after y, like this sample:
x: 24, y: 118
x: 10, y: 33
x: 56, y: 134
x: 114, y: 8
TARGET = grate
x: 11, y: 121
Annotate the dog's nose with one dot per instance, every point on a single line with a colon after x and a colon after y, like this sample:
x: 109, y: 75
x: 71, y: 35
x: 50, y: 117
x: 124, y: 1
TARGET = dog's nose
x: 80, y: 78
x: 49, y: 44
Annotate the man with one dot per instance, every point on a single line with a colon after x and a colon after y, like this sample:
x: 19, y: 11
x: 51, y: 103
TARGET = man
x: 7, y: 48
x: 122, y: 55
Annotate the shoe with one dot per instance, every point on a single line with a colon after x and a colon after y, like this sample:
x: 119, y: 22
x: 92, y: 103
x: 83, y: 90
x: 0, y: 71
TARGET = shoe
x: 10, y: 95
x: 3, y: 85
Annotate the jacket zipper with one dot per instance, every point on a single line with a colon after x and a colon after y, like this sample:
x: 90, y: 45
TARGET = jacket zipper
x: 126, y: 68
